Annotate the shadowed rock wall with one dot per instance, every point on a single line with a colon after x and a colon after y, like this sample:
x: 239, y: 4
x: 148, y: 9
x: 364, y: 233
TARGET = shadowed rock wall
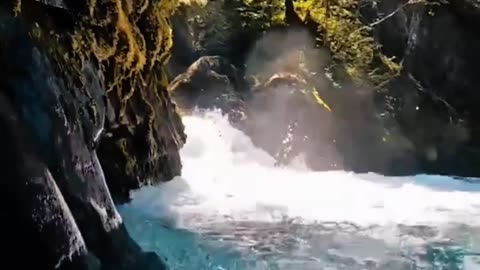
x: 85, y: 118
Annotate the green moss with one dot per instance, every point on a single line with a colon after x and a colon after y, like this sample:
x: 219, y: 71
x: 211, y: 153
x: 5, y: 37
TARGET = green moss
x: 273, y: 10
x: 126, y: 48
x: 341, y: 30
x: 129, y: 41
x: 131, y: 164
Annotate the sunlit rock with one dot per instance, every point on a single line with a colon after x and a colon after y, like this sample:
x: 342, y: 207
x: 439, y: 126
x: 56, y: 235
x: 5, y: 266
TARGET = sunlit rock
x: 284, y: 118
x: 210, y: 82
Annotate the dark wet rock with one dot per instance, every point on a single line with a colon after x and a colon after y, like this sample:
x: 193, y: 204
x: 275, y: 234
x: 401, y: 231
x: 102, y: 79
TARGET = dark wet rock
x: 218, y: 28
x: 210, y: 82
x: 53, y: 3
x: 45, y: 229
x: 438, y: 98
x: 184, y: 52
x: 468, y: 10
x: 55, y: 115
x: 141, y: 145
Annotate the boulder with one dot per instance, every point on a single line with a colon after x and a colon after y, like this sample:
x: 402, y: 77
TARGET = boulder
x: 210, y: 82
x: 285, y: 118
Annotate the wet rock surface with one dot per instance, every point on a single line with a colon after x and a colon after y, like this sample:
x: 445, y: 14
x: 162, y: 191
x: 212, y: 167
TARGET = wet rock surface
x: 438, y: 109
x: 35, y: 207
x: 211, y: 81
x: 55, y: 116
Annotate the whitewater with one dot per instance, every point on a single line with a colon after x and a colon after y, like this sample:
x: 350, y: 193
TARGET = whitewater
x: 233, y: 208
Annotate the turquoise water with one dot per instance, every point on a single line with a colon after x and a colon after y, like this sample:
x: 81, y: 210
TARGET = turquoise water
x: 234, y: 209
x: 291, y: 247
x: 183, y: 249
x: 242, y: 246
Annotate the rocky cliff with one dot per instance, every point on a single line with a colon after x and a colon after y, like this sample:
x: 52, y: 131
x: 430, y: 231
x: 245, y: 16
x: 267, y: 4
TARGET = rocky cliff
x: 85, y: 118
x: 437, y: 97
x: 85, y: 115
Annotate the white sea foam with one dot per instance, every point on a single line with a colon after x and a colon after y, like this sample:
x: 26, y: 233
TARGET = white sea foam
x: 225, y: 177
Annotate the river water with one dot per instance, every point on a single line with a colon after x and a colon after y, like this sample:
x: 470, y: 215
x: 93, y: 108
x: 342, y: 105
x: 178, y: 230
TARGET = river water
x: 233, y: 209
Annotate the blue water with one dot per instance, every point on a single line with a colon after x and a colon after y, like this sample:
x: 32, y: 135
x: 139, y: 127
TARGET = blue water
x: 286, y: 245
x: 181, y: 248
x: 233, y: 209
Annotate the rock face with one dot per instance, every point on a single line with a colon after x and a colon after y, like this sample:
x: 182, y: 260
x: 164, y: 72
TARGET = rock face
x: 281, y: 116
x: 60, y: 105
x: 438, y: 89
x: 217, y: 29
x: 36, y: 208
x: 210, y: 82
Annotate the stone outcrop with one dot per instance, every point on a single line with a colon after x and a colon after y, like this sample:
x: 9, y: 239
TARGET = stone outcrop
x: 211, y: 82
x: 84, y: 121
x: 281, y: 113
x: 437, y: 92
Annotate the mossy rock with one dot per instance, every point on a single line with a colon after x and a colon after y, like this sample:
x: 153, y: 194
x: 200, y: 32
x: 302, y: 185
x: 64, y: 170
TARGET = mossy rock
x: 211, y: 82
x: 123, y: 45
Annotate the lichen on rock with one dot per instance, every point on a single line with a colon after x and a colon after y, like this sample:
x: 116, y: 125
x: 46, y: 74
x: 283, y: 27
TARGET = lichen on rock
x: 124, y: 45
x: 87, y: 77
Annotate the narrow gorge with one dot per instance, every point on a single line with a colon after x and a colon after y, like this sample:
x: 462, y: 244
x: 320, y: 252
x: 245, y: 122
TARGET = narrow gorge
x: 240, y: 134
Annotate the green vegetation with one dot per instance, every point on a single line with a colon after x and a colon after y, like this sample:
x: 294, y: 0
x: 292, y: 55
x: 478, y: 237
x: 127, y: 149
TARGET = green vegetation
x: 266, y: 13
x: 341, y: 30
x: 129, y: 42
x: 349, y: 40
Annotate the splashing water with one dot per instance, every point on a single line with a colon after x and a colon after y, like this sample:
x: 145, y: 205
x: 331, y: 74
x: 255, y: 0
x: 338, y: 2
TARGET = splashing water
x: 234, y: 209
